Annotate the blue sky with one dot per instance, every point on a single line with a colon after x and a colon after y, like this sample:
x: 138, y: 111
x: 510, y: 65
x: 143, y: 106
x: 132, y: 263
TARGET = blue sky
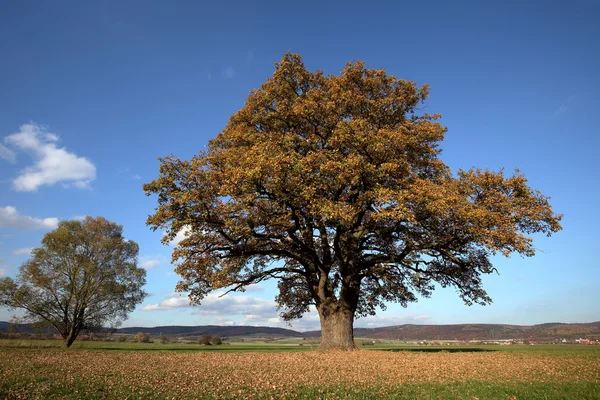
x: 91, y: 93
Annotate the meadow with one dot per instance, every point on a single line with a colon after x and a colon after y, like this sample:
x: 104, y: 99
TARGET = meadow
x: 97, y: 370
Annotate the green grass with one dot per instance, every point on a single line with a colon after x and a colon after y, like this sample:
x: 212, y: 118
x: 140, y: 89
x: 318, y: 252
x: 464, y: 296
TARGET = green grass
x: 460, y: 390
x: 467, y: 390
x: 291, y: 345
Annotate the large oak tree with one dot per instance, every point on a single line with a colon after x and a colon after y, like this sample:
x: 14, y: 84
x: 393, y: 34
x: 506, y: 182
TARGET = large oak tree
x: 333, y: 185
x: 83, y: 277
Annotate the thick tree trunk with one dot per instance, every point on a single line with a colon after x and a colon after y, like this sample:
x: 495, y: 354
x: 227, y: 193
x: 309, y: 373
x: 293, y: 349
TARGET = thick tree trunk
x: 337, y: 326
x: 69, y: 341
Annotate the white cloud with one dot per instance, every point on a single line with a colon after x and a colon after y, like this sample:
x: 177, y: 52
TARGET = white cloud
x: 20, y: 252
x: 228, y: 73
x: 10, y: 218
x: 7, y: 154
x: 246, y: 310
x: 172, y: 301
x: 309, y: 321
x: 214, y: 304
x: 225, y: 322
x: 79, y: 217
x: 3, y: 271
x: 374, y: 321
x: 255, y: 288
x: 52, y: 164
x: 149, y: 264
x: 182, y: 234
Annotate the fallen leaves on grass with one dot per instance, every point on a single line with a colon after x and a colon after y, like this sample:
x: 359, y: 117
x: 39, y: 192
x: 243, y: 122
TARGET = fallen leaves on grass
x: 250, y: 375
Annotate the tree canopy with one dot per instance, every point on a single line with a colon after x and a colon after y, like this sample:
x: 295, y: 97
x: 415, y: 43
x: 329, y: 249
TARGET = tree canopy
x: 334, y: 186
x: 83, y: 277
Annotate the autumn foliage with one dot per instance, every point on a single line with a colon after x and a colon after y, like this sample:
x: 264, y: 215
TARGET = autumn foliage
x: 334, y: 186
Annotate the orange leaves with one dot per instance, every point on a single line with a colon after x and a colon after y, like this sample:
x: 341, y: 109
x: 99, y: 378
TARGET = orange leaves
x: 338, y: 176
x: 505, y: 209
x: 151, y: 374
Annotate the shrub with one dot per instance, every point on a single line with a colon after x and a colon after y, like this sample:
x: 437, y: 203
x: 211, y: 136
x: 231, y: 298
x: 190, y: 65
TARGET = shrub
x: 205, y: 340
x: 142, y: 337
x: 123, y: 338
x: 215, y: 340
x: 164, y: 339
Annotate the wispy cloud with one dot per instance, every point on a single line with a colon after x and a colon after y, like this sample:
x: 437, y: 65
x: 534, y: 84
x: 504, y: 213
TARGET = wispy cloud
x: 7, y: 154
x: 561, y: 109
x: 249, y: 56
x: 228, y: 73
x: 149, y: 264
x: 21, y: 252
x: 566, y: 105
x: 51, y: 164
x: 128, y: 174
x: 10, y: 218
x: 373, y: 321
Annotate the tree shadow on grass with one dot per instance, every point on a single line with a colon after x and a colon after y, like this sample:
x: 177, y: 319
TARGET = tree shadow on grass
x: 447, y: 350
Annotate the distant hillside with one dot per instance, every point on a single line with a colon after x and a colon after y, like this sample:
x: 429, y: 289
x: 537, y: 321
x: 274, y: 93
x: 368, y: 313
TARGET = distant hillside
x: 548, y: 331
x: 213, y: 330
x: 17, y: 328
x: 175, y: 330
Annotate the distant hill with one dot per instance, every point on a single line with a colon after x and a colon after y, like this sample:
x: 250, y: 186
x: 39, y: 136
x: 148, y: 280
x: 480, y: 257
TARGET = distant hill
x: 548, y: 331
x: 174, y: 330
x: 201, y: 330
x: 17, y: 328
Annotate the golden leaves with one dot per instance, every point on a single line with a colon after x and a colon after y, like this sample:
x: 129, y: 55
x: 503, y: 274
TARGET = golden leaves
x: 341, y: 174
x: 255, y: 375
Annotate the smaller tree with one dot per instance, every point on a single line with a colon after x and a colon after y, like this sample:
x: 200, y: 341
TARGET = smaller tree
x: 164, y: 339
x: 83, y: 277
x: 215, y: 340
x: 123, y: 338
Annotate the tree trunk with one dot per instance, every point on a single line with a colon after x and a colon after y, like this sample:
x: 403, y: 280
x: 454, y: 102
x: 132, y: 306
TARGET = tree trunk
x: 69, y: 339
x: 337, y: 326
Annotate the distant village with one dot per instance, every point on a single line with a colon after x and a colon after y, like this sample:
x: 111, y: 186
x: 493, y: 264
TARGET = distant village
x: 501, y: 342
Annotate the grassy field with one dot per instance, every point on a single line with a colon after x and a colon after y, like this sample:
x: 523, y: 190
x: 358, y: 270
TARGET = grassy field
x: 96, y: 370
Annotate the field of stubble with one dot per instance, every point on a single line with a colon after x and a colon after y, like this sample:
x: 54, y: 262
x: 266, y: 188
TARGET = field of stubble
x: 117, y: 374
